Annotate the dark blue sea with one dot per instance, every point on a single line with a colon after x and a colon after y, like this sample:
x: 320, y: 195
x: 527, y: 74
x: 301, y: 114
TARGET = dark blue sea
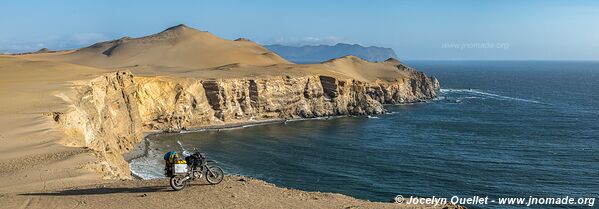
x: 498, y: 129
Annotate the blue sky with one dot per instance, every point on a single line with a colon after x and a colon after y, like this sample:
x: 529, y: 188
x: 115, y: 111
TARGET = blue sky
x: 546, y: 30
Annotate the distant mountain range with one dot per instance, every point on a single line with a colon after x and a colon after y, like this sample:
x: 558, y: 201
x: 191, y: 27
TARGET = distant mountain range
x: 321, y: 53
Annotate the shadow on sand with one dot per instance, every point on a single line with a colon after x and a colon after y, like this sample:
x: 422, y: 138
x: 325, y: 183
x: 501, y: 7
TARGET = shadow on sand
x: 100, y: 191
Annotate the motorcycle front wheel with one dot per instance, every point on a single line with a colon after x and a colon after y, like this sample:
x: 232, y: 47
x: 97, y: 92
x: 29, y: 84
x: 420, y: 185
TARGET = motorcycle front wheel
x: 177, y: 182
x: 215, y: 175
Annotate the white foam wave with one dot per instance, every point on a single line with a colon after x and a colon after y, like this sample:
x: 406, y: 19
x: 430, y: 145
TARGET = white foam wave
x: 241, y: 126
x: 488, y: 95
x: 149, y: 166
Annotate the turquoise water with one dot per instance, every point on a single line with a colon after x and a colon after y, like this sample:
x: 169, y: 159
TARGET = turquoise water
x: 499, y: 129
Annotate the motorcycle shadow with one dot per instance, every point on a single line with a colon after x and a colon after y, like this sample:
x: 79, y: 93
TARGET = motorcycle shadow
x: 113, y: 190
x: 100, y: 191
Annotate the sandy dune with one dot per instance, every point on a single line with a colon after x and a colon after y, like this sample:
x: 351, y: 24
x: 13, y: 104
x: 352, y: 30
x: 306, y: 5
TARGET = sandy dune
x: 178, y: 46
x: 361, y: 69
x: 32, y: 157
x: 32, y: 160
x: 187, y: 52
x: 30, y: 86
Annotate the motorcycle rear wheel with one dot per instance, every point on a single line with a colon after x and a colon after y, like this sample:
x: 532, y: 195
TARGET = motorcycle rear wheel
x: 215, y: 175
x: 177, y: 183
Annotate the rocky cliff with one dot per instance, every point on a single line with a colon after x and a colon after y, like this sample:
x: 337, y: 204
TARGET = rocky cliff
x: 110, y: 113
x: 187, y: 78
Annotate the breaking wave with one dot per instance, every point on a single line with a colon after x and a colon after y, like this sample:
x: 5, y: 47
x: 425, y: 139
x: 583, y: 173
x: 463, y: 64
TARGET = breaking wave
x: 150, y: 166
x: 480, y: 93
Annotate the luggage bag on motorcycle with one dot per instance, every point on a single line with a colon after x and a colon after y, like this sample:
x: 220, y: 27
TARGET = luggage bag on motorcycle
x: 169, y: 160
x: 180, y: 167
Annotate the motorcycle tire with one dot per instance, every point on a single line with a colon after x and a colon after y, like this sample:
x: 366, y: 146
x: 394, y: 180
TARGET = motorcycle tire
x: 215, y: 175
x: 177, y: 184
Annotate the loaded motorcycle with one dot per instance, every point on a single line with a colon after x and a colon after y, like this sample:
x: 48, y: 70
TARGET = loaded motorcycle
x: 193, y: 167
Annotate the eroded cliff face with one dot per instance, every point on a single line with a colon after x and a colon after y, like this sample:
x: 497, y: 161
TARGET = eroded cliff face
x: 109, y: 114
x: 104, y: 116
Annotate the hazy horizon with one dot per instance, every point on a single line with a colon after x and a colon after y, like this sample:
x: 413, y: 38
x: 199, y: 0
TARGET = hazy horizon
x: 423, y: 30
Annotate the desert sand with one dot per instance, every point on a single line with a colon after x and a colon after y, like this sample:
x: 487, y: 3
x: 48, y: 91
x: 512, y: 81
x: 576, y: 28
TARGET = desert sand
x: 67, y: 117
x: 233, y: 192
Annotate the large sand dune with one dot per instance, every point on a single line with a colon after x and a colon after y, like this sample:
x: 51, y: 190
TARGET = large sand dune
x: 184, y: 50
x: 178, y: 46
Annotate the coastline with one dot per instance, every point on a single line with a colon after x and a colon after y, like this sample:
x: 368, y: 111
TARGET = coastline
x: 141, y: 149
x: 235, y: 192
x: 99, y: 146
x: 322, y: 199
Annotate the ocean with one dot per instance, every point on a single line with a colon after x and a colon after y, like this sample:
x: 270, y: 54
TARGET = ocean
x: 498, y: 129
